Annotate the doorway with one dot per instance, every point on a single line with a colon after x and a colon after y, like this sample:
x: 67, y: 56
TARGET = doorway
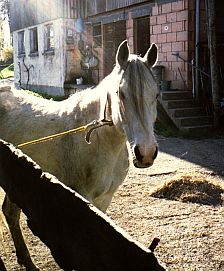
x: 114, y: 34
x: 142, y: 35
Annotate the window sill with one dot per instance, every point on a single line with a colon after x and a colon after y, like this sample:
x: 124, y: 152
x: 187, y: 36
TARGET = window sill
x: 70, y: 41
x: 34, y: 54
x: 21, y: 55
x: 48, y: 52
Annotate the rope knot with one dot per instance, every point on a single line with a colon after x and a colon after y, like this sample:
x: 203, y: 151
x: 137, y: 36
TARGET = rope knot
x: 94, y: 125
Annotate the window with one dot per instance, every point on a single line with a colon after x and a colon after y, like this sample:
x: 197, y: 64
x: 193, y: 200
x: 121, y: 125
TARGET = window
x: 33, y: 40
x: 21, y: 43
x: 49, y: 37
x: 70, y: 36
x: 97, y: 35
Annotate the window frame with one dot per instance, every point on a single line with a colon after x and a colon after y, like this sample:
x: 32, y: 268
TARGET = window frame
x: 49, y: 44
x: 34, y: 47
x: 70, y: 39
x: 21, y: 43
x: 97, y: 35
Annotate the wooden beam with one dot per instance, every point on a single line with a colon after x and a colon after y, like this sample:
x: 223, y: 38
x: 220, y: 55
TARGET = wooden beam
x: 213, y: 61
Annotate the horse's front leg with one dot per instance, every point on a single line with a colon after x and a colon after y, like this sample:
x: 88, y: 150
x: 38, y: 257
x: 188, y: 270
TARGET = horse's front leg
x: 117, y: 176
x: 103, y: 202
x: 12, y: 215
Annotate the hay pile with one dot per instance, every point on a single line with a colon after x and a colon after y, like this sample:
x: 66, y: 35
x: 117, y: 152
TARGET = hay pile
x: 192, y: 187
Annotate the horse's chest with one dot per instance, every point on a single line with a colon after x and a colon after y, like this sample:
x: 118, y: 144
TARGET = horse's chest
x: 101, y: 175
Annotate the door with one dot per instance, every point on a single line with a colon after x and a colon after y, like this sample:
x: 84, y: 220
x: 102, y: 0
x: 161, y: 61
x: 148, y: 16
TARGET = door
x: 142, y: 35
x: 114, y: 34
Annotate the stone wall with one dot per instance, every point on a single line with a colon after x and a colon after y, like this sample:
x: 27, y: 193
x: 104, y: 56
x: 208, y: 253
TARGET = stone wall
x: 172, y: 28
x: 130, y: 32
x: 169, y: 27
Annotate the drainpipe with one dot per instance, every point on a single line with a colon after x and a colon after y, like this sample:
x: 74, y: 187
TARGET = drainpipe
x: 197, y: 44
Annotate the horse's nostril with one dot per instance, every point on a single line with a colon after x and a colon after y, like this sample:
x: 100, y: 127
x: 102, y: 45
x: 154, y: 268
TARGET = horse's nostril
x: 155, y: 154
x: 137, y: 153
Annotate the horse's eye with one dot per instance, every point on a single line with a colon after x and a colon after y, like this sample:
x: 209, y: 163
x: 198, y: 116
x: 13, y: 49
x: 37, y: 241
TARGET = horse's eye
x: 122, y: 96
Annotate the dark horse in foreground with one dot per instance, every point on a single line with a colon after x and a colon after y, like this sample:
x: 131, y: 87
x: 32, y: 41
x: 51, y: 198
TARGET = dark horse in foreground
x: 126, y: 98
x: 84, y: 239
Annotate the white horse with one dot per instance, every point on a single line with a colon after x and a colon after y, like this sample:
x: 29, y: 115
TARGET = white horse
x: 126, y: 98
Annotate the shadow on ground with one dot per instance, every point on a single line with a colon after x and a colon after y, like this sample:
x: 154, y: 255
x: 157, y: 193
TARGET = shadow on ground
x: 207, y: 153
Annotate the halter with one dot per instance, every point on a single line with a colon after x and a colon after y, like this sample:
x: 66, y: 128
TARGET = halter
x: 98, y: 124
x: 103, y: 119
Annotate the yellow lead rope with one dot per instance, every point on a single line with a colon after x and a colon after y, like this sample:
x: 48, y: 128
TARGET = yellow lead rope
x: 50, y: 137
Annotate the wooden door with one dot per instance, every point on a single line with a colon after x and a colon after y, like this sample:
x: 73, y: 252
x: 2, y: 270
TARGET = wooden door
x: 142, y: 35
x: 113, y: 35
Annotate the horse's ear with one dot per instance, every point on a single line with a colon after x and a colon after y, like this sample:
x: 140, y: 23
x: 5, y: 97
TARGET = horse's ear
x: 151, y: 55
x: 122, y: 54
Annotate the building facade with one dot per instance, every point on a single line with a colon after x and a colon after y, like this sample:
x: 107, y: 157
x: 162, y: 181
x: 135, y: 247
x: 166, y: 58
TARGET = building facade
x: 52, y: 39
x: 57, y: 42
x: 45, y: 38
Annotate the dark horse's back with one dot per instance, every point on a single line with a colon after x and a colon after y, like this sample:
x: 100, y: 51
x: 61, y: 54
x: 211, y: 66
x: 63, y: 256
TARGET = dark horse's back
x: 79, y: 236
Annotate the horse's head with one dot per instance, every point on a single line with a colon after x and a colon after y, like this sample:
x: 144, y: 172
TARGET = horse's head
x: 135, y: 102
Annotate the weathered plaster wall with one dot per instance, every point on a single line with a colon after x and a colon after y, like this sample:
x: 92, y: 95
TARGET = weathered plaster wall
x: 47, y: 71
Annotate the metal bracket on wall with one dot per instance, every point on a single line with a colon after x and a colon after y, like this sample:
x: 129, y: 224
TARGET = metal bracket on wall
x: 191, y: 64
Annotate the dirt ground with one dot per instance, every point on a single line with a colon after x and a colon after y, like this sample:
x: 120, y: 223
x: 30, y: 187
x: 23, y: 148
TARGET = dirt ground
x: 191, y: 234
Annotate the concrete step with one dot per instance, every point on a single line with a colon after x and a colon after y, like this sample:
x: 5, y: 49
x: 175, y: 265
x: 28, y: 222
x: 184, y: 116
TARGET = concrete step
x: 176, y: 95
x: 185, y: 112
x: 189, y: 112
x: 199, y: 130
x: 174, y: 104
x: 194, y: 121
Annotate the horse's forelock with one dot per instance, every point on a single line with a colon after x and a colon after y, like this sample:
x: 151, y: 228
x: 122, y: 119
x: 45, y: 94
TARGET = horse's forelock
x: 139, y: 79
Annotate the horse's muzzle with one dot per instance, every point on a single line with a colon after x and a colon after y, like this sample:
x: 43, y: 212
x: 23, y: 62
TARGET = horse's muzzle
x: 143, y: 159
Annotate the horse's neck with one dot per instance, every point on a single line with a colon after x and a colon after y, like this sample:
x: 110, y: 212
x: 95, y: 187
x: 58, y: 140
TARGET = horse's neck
x: 94, y: 105
x: 83, y: 106
x: 92, y: 102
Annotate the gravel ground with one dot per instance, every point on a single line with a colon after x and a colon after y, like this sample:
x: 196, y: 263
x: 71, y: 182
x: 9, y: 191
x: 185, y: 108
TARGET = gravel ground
x: 192, y: 235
